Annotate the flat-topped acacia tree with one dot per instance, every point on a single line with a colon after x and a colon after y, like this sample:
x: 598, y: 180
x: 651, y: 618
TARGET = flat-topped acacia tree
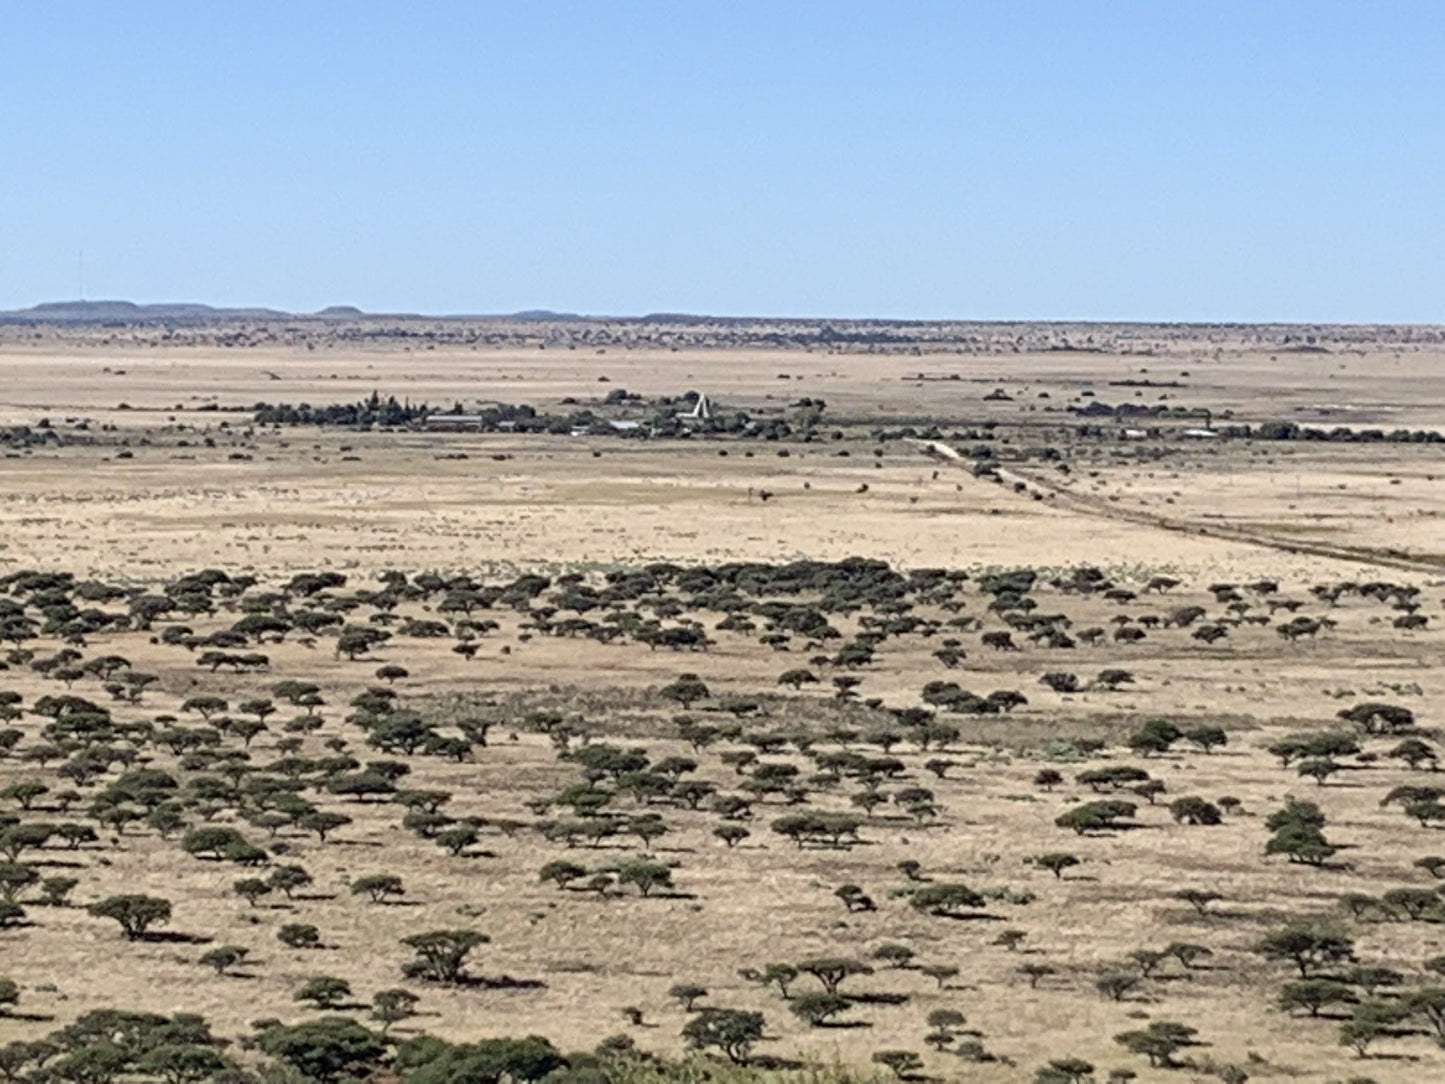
x: 441, y: 954
x: 136, y: 913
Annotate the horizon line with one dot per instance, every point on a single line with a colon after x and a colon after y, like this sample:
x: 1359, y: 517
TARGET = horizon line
x: 40, y: 312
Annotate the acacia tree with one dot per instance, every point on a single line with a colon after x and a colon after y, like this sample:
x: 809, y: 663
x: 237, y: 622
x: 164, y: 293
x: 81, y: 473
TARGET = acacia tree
x: 797, y: 678
x: 324, y: 991
x: 183, y: 1063
x: 288, y: 879
x: 946, y: 900
x: 904, y: 1063
x: 1307, y: 947
x: 733, y: 1031
x: 441, y: 954
x: 1158, y: 1042
x: 643, y: 875
x: 1312, y: 995
x: 832, y: 970
x: 686, y: 690
x: 686, y: 994
x: 816, y: 1009
x: 325, y: 1050
x: 1198, y: 898
x: 224, y: 958
x: 136, y: 913
x: 378, y: 886
x: 1056, y: 862
x: 392, y: 1006
x: 780, y: 975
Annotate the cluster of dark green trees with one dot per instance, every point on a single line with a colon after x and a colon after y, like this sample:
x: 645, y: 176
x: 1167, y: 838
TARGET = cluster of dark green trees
x: 195, y: 777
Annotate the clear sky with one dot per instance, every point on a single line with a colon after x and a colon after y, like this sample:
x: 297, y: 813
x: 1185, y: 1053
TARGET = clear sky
x: 1023, y: 159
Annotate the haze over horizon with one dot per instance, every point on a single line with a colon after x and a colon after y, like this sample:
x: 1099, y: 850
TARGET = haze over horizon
x: 1276, y: 162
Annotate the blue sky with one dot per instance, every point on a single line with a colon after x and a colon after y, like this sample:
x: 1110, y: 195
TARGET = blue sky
x: 1016, y: 159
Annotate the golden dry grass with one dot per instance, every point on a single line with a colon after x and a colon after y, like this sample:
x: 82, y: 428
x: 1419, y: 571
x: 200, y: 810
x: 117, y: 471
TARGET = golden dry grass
x: 298, y: 504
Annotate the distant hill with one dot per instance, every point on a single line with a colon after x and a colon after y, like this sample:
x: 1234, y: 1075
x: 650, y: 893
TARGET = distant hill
x: 544, y: 315
x: 128, y: 312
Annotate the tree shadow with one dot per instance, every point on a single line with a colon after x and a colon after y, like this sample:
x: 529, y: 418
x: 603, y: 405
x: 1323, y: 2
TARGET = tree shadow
x: 877, y: 999
x: 774, y: 1063
x: 502, y: 982
x: 171, y: 937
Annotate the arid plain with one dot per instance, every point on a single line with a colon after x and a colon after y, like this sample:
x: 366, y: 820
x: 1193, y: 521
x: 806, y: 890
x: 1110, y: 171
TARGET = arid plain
x: 140, y: 462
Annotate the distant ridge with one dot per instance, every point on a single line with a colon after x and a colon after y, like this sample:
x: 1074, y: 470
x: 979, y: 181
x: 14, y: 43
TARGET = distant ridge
x: 129, y: 312
x: 827, y: 329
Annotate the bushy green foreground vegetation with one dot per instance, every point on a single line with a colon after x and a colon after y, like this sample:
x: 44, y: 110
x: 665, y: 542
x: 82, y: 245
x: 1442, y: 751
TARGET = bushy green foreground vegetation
x: 111, y: 1045
x: 97, y: 758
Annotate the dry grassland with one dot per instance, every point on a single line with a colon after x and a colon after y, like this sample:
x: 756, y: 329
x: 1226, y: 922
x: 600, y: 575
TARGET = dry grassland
x: 361, y: 503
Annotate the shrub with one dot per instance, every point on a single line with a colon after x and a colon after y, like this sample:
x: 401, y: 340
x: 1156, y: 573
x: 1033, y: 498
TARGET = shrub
x: 1194, y: 810
x: 1115, y: 984
x: 1095, y: 816
x: 299, y: 935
